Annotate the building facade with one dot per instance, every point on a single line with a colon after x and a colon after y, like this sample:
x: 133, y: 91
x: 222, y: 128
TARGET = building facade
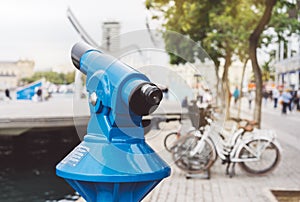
x: 110, y: 35
x: 288, y: 72
x: 288, y: 68
x: 12, y: 71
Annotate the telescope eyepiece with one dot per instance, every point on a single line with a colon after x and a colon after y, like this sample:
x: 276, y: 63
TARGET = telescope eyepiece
x: 145, y: 99
x: 152, y: 94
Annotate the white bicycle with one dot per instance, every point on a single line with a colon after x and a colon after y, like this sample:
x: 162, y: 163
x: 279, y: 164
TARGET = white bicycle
x: 256, y: 151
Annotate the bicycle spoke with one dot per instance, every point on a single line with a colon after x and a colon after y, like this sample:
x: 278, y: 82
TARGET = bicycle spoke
x: 199, y: 162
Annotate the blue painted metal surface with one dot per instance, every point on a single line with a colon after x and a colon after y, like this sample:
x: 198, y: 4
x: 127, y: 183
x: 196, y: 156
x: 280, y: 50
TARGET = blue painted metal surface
x: 114, y: 163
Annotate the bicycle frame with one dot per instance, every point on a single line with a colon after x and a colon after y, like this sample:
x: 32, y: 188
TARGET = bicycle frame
x: 265, y: 135
x: 212, y: 133
x: 229, y: 150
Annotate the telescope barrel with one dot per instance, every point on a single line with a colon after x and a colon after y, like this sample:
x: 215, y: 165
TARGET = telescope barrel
x: 142, y: 96
x: 76, y: 53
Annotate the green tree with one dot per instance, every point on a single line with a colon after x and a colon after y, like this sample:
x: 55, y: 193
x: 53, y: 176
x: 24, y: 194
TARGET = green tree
x: 284, y: 23
x: 226, y: 29
x: 220, y: 26
x: 53, y: 77
x: 70, y: 77
x: 253, y: 45
x: 268, y: 72
x: 274, y: 16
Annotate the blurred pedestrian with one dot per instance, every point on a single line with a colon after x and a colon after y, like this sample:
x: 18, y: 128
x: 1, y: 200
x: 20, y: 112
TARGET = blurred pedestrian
x: 251, y: 95
x: 298, y: 99
x: 294, y: 100
x: 275, y: 95
x: 265, y: 95
x: 7, y: 94
x: 184, y: 102
x: 236, y: 94
x: 200, y: 94
x: 207, y: 97
x: 285, y: 98
x: 38, y: 95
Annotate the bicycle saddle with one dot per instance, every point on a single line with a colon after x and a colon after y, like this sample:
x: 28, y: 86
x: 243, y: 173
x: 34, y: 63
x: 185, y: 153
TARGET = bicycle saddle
x: 247, y: 128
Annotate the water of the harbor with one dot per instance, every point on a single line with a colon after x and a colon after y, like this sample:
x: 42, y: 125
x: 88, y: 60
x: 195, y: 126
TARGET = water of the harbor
x: 27, y: 166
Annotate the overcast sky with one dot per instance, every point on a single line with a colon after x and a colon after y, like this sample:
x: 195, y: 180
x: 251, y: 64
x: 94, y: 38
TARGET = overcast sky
x: 40, y: 30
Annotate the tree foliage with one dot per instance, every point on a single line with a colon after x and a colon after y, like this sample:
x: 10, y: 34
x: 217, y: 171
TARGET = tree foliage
x: 222, y: 27
x: 283, y: 24
x: 268, y: 71
x: 189, y: 18
x: 227, y: 29
x: 53, y: 77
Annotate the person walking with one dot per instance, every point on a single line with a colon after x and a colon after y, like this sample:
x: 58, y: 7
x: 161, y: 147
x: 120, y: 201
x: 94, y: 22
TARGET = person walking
x: 236, y: 95
x: 276, y: 95
x: 184, y: 102
x: 251, y: 95
x: 38, y: 95
x: 265, y: 95
x: 291, y: 99
x: 295, y: 100
x: 207, y: 97
x: 298, y: 99
x: 7, y: 93
x: 285, y: 98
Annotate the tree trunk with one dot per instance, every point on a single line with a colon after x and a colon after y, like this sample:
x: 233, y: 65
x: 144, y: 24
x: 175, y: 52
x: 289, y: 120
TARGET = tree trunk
x: 253, y: 44
x: 241, y: 87
x: 226, y: 87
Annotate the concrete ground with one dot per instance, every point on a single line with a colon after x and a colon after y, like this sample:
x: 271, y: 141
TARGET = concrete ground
x: 242, y: 187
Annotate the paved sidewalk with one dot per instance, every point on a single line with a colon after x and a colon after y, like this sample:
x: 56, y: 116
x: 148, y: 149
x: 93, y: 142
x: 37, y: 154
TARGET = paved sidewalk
x: 242, y: 187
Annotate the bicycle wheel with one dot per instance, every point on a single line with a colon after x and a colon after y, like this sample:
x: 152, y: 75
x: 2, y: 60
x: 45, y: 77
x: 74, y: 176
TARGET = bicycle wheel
x: 197, y: 163
x: 169, y: 141
x: 260, y: 156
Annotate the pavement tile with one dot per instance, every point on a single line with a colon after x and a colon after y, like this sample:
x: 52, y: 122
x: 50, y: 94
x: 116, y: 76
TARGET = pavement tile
x: 242, y: 187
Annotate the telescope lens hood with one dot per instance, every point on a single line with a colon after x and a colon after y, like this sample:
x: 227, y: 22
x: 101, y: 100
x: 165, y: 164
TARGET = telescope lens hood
x: 145, y: 99
x: 77, y: 51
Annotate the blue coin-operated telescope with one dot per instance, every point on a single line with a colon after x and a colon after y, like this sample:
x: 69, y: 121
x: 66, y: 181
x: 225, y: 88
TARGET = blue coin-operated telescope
x: 113, y: 162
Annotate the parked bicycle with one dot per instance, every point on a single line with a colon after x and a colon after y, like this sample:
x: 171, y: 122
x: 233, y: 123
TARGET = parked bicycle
x: 198, y: 119
x: 171, y: 138
x: 256, y: 151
